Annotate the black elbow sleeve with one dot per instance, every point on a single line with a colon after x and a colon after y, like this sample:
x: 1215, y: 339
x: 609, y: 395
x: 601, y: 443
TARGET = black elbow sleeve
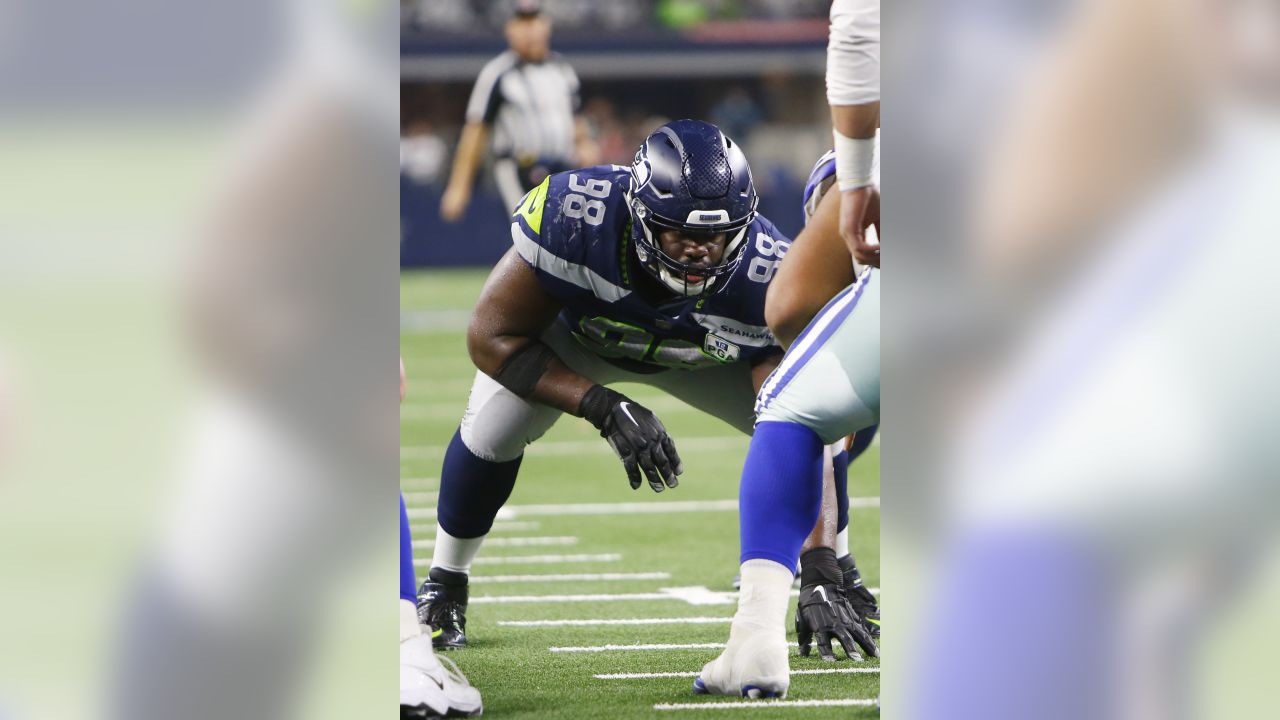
x: 521, y: 372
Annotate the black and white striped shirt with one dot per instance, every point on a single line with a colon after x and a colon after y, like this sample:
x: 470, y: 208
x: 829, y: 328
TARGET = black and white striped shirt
x: 530, y: 107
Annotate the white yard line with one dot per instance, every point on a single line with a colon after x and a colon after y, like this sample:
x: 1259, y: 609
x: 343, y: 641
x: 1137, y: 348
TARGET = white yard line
x: 694, y: 595
x: 603, y: 597
x: 696, y: 673
x: 651, y: 646
x: 416, y: 322
x: 502, y: 526
x: 765, y: 704
x: 433, y: 411
x: 618, y: 621
x: 511, y: 542
x: 452, y: 409
x: 579, y: 447
x: 499, y: 526
x: 642, y: 647
x: 652, y: 507
x: 569, y: 577
x: 542, y: 559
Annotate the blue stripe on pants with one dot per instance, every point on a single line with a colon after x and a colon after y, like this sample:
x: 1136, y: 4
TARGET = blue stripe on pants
x: 841, y: 310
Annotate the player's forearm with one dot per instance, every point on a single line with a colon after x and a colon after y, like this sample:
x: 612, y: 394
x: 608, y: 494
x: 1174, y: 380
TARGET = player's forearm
x: 856, y: 121
x: 815, y: 269
x: 470, y: 151
x: 562, y: 388
x: 853, y: 134
x: 530, y: 369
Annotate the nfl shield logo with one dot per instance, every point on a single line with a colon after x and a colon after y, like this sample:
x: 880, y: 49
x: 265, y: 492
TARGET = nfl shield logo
x: 720, y: 349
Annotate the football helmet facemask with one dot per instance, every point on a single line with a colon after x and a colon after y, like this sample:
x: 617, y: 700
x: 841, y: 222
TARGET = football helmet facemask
x: 688, y: 176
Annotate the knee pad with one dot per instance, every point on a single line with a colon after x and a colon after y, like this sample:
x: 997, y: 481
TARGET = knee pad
x: 499, y: 424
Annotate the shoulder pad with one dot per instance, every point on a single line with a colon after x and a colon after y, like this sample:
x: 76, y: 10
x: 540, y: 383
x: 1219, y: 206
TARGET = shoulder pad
x: 570, y: 227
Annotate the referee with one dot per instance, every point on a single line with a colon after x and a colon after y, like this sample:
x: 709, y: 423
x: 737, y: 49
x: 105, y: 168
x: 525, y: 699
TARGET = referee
x: 527, y: 97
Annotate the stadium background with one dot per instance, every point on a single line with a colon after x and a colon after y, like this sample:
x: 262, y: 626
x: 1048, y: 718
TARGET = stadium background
x: 554, y: 561
x: 754, y: 67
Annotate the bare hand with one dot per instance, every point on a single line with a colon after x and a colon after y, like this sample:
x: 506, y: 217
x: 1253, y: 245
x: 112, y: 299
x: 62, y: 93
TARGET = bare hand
x: 855, y: 216
x: 454, y: 203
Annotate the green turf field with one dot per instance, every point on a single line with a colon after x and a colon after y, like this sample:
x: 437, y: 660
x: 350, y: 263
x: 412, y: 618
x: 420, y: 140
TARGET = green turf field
x: 513, y: 665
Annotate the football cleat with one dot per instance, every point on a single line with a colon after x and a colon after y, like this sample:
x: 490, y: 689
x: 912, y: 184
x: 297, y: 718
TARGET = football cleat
x: 754, y: 665
x: 431, y: 686
x: 442, y: 604
x: 860, y: 598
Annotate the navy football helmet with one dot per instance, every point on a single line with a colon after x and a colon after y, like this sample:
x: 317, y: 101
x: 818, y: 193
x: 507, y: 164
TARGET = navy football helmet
x: 689, y: 176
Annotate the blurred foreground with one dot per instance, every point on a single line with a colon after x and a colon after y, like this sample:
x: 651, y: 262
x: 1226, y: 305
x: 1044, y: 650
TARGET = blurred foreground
x: 198, y: 330
x: 1079, y: 475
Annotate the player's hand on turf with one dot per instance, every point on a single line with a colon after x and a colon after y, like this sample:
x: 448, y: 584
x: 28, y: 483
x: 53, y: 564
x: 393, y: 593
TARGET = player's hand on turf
x: 824, y: 610
x: 825, y: 613
x: 636, y: 435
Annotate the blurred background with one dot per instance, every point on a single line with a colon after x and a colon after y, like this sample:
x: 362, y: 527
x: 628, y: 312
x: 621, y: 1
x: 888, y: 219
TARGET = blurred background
x: 1034, y: 146
x: 753, y: 67
x: 195, y: 206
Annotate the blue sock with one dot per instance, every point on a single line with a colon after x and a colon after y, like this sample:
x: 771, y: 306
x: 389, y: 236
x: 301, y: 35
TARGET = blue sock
x: 840, y: 464
x: 408, y: 581
x: 472, y: 490
x: 781, y: 492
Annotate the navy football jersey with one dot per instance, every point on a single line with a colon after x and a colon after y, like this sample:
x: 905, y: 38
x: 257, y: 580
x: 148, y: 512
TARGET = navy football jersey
x: 575, y: 230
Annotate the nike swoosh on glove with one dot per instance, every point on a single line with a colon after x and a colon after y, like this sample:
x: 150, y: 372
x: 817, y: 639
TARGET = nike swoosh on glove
x: 636, y: 435
x: 824, y: 610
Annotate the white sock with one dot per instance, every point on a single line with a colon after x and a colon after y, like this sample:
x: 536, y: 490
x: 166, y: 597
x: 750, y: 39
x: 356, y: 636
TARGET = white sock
x: 842, y: 543
x: 409, y: 626
x: 455, y: 554
x: 764, y: 596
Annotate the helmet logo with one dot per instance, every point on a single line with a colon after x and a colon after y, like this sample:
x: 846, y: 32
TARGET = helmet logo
x: 641, y: 170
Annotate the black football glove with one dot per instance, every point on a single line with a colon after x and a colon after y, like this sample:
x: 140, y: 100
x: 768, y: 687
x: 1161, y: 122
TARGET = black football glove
x: 860, y: 598
x: 636, y: 435
x: 824, y: 610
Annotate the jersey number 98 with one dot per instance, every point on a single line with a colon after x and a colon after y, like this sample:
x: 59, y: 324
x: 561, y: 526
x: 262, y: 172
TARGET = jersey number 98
x: 577, y: 206
x: 766, y: 263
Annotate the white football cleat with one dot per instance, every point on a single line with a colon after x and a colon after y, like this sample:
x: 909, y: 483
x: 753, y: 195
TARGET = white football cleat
x: 754, y: 665
x: 430, y: 688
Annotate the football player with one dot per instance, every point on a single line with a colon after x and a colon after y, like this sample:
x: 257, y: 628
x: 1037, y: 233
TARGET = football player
x: 803, y: 286
x: 428, y: 688
x: 654, y: 273
x: 826, y: 387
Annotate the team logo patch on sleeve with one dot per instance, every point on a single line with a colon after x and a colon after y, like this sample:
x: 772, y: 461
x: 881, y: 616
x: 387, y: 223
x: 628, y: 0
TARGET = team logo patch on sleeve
x: 720, y: 349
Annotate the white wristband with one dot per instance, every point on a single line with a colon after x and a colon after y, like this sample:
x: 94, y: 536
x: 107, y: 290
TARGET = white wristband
x: 855, y: 161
